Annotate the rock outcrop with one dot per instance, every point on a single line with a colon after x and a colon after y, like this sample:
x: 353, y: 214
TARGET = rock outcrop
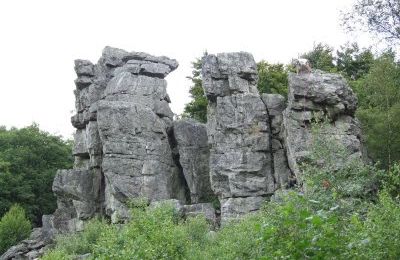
x: 319, y: 97
x: 125, y: 148
x: 122, y: 122
x: 240, y: 134
x: 127, y: 145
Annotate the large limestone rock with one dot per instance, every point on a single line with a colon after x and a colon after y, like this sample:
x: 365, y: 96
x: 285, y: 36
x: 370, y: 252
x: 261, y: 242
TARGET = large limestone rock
x: 194, y: 154
x: 239, y: 134
x: 128, y: 146
x: 123, y: 126
x: 323, y: 97
x: 123, y: 146
x: 137, y: 160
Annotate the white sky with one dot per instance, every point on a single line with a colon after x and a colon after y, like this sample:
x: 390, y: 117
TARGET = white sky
x: 39, y: 41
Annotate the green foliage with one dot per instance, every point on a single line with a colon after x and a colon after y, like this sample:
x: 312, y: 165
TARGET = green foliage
x: 321, y: 57
x: 80, y: 243
x: 353, y: 62
x: 197, y: 108
x: 29, y: 159
x: 272, y: 78
x: 293, y: 226
x: 390, y: 181
x: 332, y: 174
x: 14, y: 227
x: 379, y: 109
x: 153, y: 233
x: 378, y: 237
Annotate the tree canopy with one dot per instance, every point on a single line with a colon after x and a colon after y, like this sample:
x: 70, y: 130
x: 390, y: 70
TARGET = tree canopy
x: 29, y: 159
x: 321, y: 57
x: 379, y: 109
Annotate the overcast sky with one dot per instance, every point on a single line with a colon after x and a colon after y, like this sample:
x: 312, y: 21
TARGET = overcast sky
x: 40, y: 40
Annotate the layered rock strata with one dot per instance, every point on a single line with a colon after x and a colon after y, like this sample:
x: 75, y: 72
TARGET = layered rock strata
x: 240, y: 134
x: 325, y: 98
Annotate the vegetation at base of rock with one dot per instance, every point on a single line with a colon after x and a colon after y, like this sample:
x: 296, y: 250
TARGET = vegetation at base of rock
x: 298, y: 226
x: 337, y: 214
x: 29, y: 159
x: 14, y: 227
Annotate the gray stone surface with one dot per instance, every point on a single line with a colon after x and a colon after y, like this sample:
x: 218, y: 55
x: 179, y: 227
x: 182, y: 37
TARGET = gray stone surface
x: 30, y: 248
x: 194, y: 154
x: 206, y: 210
x: 238, y: 127
x: 323, y: 97
x: 233, y: 208
x: 137, y: 156
x: 275, y: 105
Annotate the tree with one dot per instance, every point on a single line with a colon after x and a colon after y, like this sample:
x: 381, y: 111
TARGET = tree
x: 380, y: 17
x: 353, y: 62
x: 321, y: 57
x: 272, y: 78
x: 29, y: 159
x: 379, y: 109
x: 197, y: 108
x: 14, y: 227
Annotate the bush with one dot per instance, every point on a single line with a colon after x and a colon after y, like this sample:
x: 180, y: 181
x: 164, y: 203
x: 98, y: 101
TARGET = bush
x: 378, y: 237
x: 79, y: 243
x: 390, y: 180
x: 14, y: 227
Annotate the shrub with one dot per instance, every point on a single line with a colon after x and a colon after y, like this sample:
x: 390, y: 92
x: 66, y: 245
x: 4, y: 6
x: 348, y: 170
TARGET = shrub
x: 378, y: 237
x: 14, y: 227
x: 390, y: 180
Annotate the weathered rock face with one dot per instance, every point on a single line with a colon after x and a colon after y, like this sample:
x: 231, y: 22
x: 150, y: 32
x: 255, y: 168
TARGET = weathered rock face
x: 319, y: 96
x: 239, y: 133
x: 123, y: 132
x: 124, y: 147
x: 128, y: 146
x: 193, y: 151
x: 275, y: 105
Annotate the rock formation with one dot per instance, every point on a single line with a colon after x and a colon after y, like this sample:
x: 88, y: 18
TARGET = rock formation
x: 125, y: 148
x: 128, y: 146
x: 323, y: 97
x: 240, y: 134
